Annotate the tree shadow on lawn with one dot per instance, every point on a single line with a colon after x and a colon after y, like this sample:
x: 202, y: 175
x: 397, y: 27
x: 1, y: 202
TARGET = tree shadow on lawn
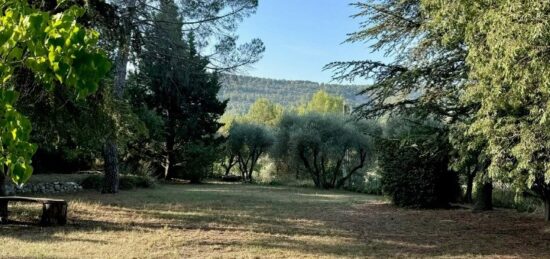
x: 267, y: 237
x: 303, y: 221
x: 456, y: 232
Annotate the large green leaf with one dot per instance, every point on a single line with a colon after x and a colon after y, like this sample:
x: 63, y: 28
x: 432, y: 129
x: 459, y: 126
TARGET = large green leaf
x: 57, y: 50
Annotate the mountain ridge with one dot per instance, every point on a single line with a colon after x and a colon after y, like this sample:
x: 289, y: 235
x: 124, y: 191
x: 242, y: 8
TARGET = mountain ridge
x: 242, y: 91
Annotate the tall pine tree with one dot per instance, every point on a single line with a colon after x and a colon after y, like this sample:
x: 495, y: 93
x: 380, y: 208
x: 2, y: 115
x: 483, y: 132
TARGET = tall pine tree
x: 181, y: 90
x: 215, y: 21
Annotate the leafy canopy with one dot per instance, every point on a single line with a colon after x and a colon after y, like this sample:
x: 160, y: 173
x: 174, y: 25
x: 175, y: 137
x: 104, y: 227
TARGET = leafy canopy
x: 56, y: 49
x: 248, y: 142
x: 323, y: 102
x: 329, y: 148
x: 508, y: 53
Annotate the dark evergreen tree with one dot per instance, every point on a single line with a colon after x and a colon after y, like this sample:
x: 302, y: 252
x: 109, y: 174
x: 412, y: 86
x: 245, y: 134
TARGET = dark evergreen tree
x: 180, y: 89
x: 214, y: 21
x: 426, y: 78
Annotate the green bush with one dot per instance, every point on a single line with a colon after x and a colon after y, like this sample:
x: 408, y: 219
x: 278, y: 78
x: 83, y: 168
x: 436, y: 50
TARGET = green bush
x: 414, y: 163
x: 505, y: 197
x: 197, y: 162
x: 145, y: 182
x: 92, y: 182
x: 127, y: 182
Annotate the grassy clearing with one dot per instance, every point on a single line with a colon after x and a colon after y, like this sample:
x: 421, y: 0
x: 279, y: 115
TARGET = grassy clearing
x: 233, y: 220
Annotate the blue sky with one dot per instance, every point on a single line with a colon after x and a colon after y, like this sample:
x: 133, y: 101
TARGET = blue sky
x: 301, y: 36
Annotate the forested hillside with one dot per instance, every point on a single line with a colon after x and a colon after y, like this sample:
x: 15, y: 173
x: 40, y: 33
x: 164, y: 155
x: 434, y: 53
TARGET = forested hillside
x: 242, y: 91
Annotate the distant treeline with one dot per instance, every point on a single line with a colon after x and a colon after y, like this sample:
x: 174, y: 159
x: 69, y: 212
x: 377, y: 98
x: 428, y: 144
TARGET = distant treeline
x: 243, y: 91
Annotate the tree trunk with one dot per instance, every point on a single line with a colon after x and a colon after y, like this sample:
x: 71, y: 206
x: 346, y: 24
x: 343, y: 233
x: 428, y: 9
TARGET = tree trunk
x: 170, y: 152
x: 230, y: 164
x: 546, y: 210
x: 254, y: 159
x: 3, y: 204
x: 242, y: 166
x: 227, y: 170
x: 484, y: 199
x: 468, y: 198
x: 110, y: 156
x: 3, y: 185
x: 121, y: 67
x: 251, y: 171
x: 312, y: 170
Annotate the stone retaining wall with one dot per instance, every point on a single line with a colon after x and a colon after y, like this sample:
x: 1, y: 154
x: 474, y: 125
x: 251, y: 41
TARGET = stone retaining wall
x: 45, y: 188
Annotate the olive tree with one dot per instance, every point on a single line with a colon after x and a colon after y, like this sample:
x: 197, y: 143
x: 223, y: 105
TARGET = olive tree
x: 329, y: 148
x: 248, y: 142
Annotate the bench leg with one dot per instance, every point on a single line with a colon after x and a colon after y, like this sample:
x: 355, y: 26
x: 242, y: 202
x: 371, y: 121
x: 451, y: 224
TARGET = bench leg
x: 62, y: 216
x: 3, y: 212
x: 54, y: 213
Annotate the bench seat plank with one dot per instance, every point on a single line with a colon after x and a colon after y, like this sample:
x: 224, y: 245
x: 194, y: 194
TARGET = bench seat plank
x: 54, y: 211
x: 30, y: 199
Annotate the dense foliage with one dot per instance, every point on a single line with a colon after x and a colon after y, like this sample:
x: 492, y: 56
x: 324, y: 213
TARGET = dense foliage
x: 56, y: 50
x: 265, y: 112
x: 426, y: 78
x: 507, y: 43
x: 213, y: 22
x: 326, y: 147
x: 246, y: 144
x: 414, y: 164
x: 173, y: 83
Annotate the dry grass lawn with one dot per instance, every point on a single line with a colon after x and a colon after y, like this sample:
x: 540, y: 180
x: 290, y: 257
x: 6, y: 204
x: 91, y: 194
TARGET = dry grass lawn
x: 248, y: 221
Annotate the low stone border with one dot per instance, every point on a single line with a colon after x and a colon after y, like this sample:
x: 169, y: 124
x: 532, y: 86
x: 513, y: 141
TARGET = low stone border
x: 46, y: 188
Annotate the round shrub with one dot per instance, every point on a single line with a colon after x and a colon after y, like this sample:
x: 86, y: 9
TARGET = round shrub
x: 92, y: 182
x: 414, y: 167
x: 197, y: 160
x: 418, y: 180
x: 145, y: 182
x: 127, y: 182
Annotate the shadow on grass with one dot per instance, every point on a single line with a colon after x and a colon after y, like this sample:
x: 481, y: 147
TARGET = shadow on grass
x: 305, y: 221
x: 455, y: 232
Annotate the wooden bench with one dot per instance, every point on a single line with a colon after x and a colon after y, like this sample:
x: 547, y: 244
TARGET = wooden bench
x: 53, y: 211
